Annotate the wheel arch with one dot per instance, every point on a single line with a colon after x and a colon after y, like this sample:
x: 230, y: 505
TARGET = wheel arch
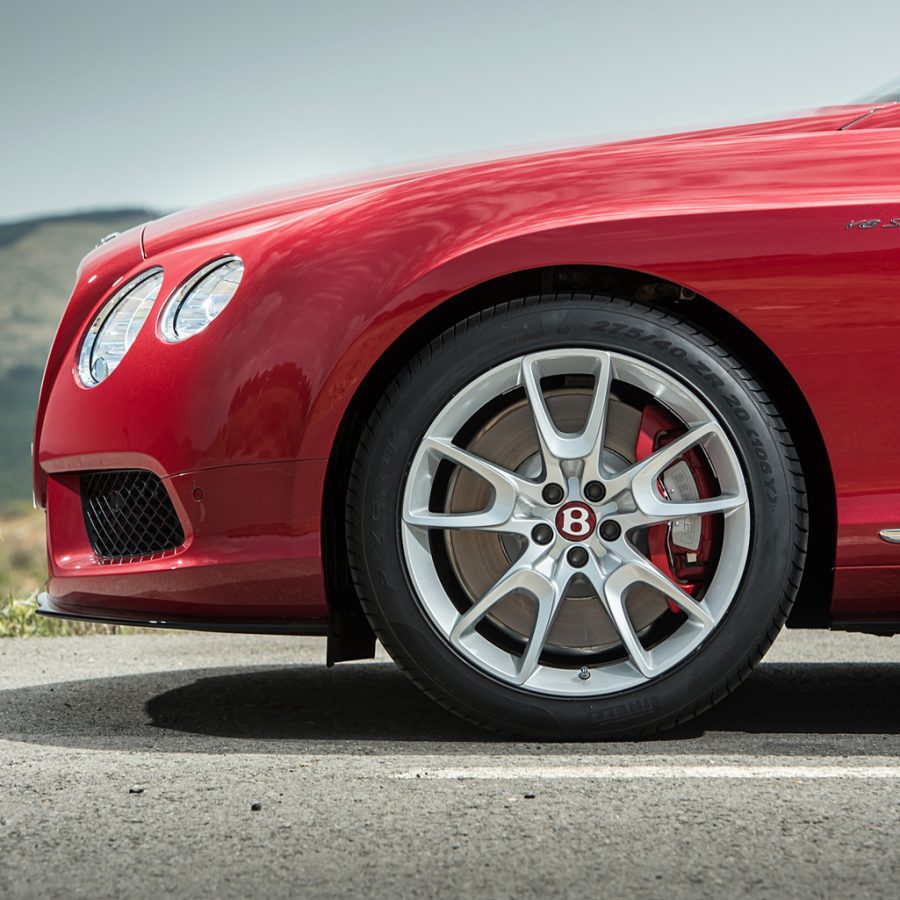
x: 350, y: 636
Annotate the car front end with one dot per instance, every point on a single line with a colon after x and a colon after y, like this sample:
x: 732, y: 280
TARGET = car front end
x: 166, y: 444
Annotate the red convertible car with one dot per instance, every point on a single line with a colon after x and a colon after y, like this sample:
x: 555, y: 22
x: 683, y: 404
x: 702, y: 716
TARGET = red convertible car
x: 572, y: 434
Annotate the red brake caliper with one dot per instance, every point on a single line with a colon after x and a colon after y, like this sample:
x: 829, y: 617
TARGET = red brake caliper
x: 686, y: 566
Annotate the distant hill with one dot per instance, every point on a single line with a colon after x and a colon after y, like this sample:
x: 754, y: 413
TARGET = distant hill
x: 38, y: 258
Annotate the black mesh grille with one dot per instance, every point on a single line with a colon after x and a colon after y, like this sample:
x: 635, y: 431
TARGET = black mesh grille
x: 129, y: 514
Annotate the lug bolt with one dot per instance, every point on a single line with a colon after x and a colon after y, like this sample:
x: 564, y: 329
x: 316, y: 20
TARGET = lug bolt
x: 610, y: 530
x: 542, y: 534
x: 594, y: 491
x: 552, y: 493
x: 577, y: 557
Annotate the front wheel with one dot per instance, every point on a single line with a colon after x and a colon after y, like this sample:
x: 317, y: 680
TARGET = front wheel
x: 576, y: 517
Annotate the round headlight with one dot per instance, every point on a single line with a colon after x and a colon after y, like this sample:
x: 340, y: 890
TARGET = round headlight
x: 116, y: 326
x: 200, y: 299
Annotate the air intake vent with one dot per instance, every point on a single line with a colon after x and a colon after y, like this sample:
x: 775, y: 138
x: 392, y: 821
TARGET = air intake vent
x: 128, y: 514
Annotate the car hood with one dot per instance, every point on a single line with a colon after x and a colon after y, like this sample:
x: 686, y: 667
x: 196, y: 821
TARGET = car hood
x: 294, y: 200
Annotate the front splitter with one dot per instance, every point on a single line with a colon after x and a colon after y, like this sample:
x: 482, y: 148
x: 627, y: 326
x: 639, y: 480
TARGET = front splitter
x: 53, y: 609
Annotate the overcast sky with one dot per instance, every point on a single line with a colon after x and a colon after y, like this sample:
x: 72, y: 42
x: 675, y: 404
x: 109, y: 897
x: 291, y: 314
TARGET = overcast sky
x: 168, y: 104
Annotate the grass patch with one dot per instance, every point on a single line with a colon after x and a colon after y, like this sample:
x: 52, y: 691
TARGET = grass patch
x: 23, y: 560
x: 23, y: 570
x: 19, y: 618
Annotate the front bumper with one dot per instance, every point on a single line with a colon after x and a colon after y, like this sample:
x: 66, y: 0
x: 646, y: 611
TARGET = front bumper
x: 250, y: 560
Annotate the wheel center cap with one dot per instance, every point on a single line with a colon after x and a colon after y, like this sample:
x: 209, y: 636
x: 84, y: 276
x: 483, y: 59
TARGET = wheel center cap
x: 576, y: 521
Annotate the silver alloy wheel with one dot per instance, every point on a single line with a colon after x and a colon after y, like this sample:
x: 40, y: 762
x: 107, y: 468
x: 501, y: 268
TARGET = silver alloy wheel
x: 608, y: 558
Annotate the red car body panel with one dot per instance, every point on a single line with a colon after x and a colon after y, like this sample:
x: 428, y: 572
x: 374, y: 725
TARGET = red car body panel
x: 241, y: 420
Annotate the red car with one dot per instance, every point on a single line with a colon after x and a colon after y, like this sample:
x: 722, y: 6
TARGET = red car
x: 573, y: 434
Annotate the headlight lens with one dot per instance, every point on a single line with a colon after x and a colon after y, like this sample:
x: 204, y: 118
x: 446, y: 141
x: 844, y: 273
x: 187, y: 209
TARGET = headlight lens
x: 116, y: 326
x: 200, y: 299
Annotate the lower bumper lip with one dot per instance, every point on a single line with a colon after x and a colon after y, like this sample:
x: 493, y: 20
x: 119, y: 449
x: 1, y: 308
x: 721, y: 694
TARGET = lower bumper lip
x: 52, y: 608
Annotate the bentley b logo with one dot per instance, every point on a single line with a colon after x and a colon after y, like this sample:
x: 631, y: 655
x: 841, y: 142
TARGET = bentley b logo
x: 575, y: 521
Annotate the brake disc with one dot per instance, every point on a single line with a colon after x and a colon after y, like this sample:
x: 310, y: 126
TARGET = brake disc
x: 478, y: 559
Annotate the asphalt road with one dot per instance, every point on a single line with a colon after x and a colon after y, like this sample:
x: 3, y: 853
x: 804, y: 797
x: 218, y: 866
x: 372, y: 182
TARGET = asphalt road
x: 129, y: 767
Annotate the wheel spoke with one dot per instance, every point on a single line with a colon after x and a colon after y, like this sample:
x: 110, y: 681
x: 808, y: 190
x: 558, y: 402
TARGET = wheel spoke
x: 649, y: 468
x: 498, y: 516
x: 660, y: 510
x: 641, y: 479
x: 491, y: 519
x: 555, y: 444
x: 645, y: 572
x: 547, y: 607
x: 521, y: 577
x: 595, y: 428
x: 612, y: 594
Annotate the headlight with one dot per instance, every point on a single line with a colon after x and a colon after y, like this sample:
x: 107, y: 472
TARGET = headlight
x: 200, y: 299
x: 116, y: 326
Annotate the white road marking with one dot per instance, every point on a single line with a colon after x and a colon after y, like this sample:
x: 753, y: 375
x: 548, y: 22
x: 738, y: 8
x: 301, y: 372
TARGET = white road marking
x: 657, y: 772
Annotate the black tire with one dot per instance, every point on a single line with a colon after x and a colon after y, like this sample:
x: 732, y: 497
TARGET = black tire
x: 773, y: 476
